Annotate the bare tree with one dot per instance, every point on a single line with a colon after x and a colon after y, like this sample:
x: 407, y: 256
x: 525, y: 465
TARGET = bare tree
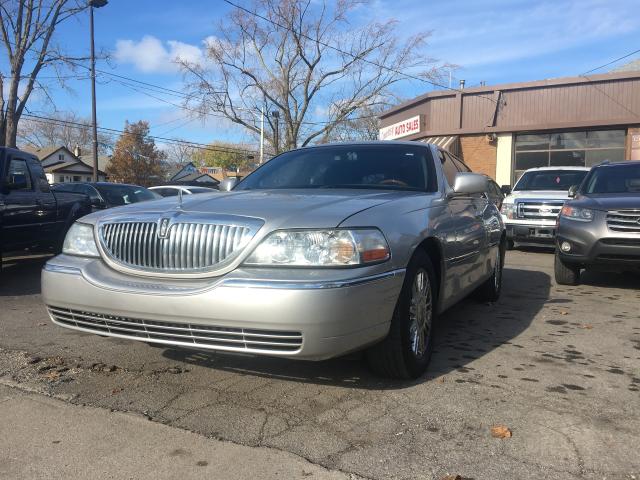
x: 179, y: 153
x: 304, y: 60
x: 27, y: 28
x: 62, y: 129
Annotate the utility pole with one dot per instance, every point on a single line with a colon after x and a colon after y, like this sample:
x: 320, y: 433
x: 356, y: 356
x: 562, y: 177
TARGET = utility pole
x: 261, y: 135
x: 276, y: 123
x: 94, y: 4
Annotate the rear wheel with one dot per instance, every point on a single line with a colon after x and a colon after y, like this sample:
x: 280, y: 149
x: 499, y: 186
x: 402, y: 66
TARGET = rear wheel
x: 566, y: 274
x: 406, y: 351
x: 510, y: 245
x: 490, y: 290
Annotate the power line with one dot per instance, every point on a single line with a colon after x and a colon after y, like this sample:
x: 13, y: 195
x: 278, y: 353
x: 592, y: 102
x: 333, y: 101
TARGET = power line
x: 611, y: 62
x: 113, y: 131
x: 355, y: 57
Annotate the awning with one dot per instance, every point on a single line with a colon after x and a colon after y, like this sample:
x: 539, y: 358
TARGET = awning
x: 449, y: 143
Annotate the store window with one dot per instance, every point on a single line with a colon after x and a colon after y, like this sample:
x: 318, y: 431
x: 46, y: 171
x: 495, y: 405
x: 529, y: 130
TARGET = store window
x: 562, y: 149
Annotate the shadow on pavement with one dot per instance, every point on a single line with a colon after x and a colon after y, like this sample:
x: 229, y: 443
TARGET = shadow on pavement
x: 463, y: 334
x: 624, y: 280
x: 21, y: 275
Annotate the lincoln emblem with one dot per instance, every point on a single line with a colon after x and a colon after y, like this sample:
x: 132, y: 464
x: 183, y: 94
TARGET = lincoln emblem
x: 163, y: 228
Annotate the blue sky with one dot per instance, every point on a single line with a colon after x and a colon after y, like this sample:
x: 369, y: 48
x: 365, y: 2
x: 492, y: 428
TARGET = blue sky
x: 495, y: 41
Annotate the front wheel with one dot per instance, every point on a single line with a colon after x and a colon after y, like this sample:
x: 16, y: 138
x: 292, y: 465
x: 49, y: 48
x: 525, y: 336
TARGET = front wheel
x: 566, y: 274
x: 406, y: 351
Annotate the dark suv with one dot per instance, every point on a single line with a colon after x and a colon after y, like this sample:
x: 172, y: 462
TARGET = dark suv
x: 600, y: 226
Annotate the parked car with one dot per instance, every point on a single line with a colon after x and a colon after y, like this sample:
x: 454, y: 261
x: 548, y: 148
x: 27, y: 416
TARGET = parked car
x: 319, y: 252
x: 530, y: 210
x: 600, y: 226
x: 107, y: 195
x: 173, y: 190
x: 31, y: 215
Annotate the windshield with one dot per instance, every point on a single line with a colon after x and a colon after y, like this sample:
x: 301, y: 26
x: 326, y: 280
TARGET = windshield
x: 125, y: 194
x: 559, y: 180
x: 392, y: 167
x: 613, y: 179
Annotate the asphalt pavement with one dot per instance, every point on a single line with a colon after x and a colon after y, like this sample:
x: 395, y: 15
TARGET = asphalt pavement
x: 557, y: 367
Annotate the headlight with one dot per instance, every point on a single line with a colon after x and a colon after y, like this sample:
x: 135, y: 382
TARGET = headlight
x: 582, y: 214
x: 508, y: 210
x: 80, y: 241
x: 321, y: 248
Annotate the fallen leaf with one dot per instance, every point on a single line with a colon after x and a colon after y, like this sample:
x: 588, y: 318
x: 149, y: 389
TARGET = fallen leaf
x: 564, y: 312
x: 586, y: 327
x: 500, y: 431
x: 452, y: 477
x: 52, y: 375
x: 441, y: 379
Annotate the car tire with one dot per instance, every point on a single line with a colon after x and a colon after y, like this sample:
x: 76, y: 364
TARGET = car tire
x: 490, y: 290
x: 406, y: 350
x: 565, y: 274
x: 510, y: 245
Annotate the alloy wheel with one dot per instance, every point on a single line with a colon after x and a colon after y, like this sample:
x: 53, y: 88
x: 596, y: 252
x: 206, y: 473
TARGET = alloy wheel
x: 420, y: 313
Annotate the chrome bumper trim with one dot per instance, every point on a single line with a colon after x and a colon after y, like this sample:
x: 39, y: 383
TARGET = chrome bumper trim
x: 280, y: 284
x: 52, y: 267
x: 256, y: 283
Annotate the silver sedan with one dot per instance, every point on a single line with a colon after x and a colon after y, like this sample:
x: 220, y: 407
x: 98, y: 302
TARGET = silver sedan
x: 319, y: 252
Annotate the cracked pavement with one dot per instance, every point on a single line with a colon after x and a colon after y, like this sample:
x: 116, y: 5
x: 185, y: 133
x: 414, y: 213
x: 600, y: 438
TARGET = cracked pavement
x: 559, y: 366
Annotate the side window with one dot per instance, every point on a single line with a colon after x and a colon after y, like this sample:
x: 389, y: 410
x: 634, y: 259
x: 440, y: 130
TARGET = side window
x: 92, y: 192
x: 39, y: 177
x: 18, y: 175
x: 459, y: 164
x: 449, y: 169
x: 169, y: 192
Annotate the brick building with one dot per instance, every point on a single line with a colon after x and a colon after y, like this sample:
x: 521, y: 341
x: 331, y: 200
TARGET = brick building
x: 502, y: 130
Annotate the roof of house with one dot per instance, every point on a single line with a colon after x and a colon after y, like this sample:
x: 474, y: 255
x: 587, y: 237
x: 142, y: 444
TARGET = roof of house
x: 43, y: 152
x: 196, y: 177
x: 103, y: 161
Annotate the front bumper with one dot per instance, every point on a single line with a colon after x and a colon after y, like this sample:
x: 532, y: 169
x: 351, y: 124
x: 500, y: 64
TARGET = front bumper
x: 531, y: 233
x: 314, y: 319
x: 593, y: 244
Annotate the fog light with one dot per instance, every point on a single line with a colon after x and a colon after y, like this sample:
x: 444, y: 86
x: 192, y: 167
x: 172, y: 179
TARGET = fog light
x: 565, y: 247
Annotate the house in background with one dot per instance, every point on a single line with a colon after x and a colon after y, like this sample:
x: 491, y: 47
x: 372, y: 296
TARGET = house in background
x: 62, y: 165
x: 189, y: 174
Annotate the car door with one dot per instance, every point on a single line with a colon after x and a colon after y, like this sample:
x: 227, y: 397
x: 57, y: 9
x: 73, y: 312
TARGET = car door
x: 46, y: 205
x: 19, y: 219
x: 471, y: 237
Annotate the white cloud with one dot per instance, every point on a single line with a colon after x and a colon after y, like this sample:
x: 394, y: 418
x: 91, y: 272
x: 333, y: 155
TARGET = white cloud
x: 150, y: 55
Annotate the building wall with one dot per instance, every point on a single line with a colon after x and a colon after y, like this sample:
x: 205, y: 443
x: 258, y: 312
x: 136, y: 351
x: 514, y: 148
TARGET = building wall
x: 479, y: 154
x: 633, y: 143
x: 504, y: 158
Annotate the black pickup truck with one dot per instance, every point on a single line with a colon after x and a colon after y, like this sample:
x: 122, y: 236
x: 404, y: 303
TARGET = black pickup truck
x: 32, y: 217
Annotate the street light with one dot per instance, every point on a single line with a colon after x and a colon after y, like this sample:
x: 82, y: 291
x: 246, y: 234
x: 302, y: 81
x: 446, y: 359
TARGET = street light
x: 94, y: 4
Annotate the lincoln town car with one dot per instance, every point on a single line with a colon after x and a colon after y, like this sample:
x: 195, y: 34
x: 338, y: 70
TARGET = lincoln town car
x: 319, y: 252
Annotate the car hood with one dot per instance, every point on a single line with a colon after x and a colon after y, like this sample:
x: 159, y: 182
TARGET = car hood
x: 623, y: 201
x: 537, y: 195
x: 278, y: 208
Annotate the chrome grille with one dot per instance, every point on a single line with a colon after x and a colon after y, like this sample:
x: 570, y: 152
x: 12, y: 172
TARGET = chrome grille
x: 624, y: 220
x: 187, y: 334
x: 186, y: 247
x: 537, y: 210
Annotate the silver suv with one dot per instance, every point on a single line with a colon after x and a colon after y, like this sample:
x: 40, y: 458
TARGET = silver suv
x: 319, y: 252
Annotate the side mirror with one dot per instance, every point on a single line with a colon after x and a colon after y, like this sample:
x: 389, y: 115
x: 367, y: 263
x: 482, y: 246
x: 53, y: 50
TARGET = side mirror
x: 573, y: 189
x: 98, y: 203
x: 470, y: 184
x: 505, y: 189
x: 228, y: 184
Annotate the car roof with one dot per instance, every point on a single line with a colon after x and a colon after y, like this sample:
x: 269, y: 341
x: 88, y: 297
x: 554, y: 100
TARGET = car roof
x: 619, y: 164
x: 542, y: 169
